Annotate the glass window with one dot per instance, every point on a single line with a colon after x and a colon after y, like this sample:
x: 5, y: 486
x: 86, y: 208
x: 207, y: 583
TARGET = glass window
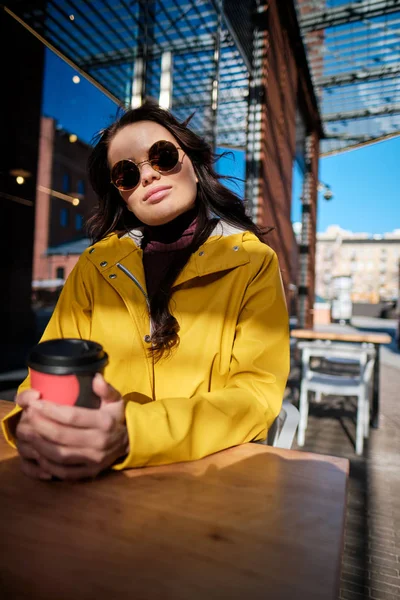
x: 60, y: 272
x: 64, y: 217
x: 66, y: 183
x: 81, y: 187
x: 78, y: 222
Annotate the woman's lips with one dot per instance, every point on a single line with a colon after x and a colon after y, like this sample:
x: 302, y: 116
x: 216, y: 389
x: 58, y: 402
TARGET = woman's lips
x: 157, y: 195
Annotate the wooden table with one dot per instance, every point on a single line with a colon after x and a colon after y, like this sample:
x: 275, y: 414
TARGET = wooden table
x: 377, y: 339
x: 252, y: 522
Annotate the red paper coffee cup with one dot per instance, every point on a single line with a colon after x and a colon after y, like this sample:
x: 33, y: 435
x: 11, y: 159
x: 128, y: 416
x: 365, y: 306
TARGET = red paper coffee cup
x: 62, y: 370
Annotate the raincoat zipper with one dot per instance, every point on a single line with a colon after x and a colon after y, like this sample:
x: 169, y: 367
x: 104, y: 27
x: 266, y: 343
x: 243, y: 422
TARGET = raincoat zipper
x: 137, y: 283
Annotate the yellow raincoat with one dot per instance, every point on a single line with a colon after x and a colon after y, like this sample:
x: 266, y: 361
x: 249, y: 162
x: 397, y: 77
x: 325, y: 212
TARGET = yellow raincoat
x: 224, y: 383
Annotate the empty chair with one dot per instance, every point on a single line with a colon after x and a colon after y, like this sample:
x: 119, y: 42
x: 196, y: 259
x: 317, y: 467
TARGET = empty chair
x: 282, y: 431
x: 337, y: 358
x: 342, y: 384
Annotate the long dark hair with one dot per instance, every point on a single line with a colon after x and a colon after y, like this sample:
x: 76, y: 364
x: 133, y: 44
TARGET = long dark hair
x: 213, y: 201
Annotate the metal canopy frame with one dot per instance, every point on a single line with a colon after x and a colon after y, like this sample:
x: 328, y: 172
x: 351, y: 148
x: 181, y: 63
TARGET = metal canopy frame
x: 120, y: 45
x: 354, y: 55
x: 348, y: 13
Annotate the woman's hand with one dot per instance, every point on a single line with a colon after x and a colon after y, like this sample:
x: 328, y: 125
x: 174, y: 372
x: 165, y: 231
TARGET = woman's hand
x: 71, y: 442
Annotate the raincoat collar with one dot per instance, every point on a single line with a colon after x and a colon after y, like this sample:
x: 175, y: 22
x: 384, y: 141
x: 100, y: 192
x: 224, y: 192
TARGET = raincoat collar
x: 222, y: 251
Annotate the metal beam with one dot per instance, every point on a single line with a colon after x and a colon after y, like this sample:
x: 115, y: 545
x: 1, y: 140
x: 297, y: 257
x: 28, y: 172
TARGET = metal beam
x: 348, y: 137
x: 348, y: 13
x: 64, y: 57
x: 391, y: 109
x: 201, y: 99
x: 201, y: 43
x: 359, y: 76
x: 367, y: 142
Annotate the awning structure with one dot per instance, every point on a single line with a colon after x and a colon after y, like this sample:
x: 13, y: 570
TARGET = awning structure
x: 186, y: 54
x: 46, y: 284
x: 196, y: 55
x: 354, y: 54
x: 69, y: 248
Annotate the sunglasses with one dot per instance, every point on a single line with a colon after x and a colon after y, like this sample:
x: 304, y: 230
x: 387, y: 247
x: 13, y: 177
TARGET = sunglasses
x: 163, y: 158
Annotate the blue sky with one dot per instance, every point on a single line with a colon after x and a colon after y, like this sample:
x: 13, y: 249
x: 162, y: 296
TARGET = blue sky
x: 365, y: 182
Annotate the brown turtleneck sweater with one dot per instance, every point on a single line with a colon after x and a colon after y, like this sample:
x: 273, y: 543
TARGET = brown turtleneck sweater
x: 162, y: 243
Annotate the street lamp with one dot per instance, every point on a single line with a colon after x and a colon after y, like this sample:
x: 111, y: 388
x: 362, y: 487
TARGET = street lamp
x: 324, y: 187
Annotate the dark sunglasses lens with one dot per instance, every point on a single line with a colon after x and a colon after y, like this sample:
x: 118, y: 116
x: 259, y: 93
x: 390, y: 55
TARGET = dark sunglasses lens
x: 125, y: 175
x: 163, y: 156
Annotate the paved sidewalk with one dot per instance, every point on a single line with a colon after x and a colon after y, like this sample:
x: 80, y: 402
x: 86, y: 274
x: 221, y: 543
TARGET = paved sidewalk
x: 371, y: 561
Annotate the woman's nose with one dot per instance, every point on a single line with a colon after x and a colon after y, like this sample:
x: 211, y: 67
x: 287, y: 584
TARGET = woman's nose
x: 148, y: 174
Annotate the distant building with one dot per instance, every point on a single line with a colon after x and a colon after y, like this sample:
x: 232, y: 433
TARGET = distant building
x: 371, y: 260
x: 64, y: 200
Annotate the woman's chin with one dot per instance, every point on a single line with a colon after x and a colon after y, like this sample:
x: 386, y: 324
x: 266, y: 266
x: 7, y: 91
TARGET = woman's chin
x: 155, y: 222
x: 162, y: 218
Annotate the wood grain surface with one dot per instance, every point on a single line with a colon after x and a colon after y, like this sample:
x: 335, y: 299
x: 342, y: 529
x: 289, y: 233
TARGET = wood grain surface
x: 252, y: 522
x: 370, y: 338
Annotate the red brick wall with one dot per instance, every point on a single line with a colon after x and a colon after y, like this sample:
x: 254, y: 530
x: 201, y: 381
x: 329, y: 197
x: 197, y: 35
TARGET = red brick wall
x: 69, y: 158
x: 278, y: 144
x: 313, y: 233
x: 287, y: 89
x: 42, y: 213
x: 58, y: 156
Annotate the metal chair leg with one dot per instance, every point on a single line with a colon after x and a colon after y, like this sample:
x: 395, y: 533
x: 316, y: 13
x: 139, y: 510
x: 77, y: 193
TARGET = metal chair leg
x: 367, y: 409
x: 303, y: 408
x: 360, y: 422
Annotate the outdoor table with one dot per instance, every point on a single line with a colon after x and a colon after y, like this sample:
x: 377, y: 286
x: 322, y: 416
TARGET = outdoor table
x: 249, y: 522
x: 377, y: 339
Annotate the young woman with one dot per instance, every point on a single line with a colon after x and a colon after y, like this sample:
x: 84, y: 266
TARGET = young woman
x: 185, y: 297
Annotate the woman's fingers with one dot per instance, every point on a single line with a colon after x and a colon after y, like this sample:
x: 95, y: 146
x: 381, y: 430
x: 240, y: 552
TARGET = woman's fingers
x: 71, y: 442
x: 33, y: 469
x: 29, y: 456
x: 26, y: 450
x: 74, y: 416
x: 25, y: 398
x: 73, y: 437
x: 104, y: 390
x: 68, y: 455
x: 85, y: 470
x: 69, y: 472
x: 24, y: 431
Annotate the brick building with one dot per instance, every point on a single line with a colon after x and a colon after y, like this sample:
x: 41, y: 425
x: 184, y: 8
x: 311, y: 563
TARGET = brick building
x: 64, y: 200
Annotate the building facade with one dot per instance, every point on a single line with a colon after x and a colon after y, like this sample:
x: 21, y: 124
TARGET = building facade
x: 290, y: 130
x: 64, y: 201
x: 371, y: 261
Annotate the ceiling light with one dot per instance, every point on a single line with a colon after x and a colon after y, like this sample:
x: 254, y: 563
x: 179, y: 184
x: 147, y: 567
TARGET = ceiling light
x: 71, y: 18
x: 73, y: 137
x: 75, y: 201
x: 76, y: 79
x: 20, y: 180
